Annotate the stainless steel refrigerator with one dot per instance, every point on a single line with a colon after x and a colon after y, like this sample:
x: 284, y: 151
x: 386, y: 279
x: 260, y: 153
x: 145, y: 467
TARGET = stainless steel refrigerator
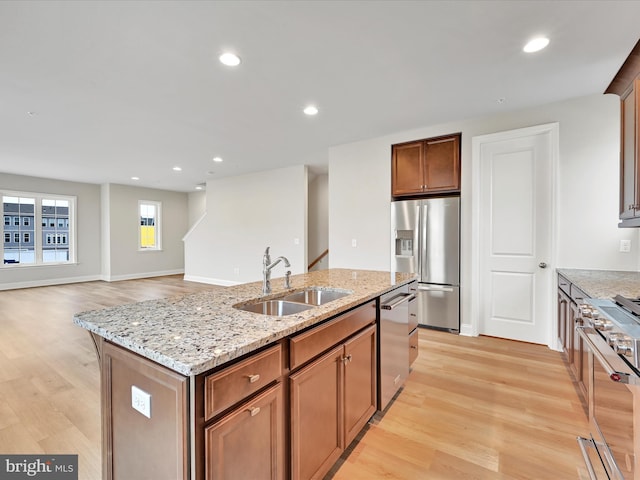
x: 426, y: 241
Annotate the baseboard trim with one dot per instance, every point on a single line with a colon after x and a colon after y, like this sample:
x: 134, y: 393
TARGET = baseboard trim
x: 136, y: 276
x: 210, y: 281
x: 49, y: 282
x: 467, y: 330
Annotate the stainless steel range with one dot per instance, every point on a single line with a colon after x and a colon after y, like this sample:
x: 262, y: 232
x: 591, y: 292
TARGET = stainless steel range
x: 611, y: 331
x: 618, y: 322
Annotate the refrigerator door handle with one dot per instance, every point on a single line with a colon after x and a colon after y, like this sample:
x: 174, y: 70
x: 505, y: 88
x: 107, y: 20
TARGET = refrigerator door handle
x: 417, y: 243
x: 435, y: 288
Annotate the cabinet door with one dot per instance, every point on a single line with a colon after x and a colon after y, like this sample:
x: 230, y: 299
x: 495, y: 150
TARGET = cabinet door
x: 630, y: 153
x: 359, y: 382
x: 407, y: 169
x: 317, y: 435
x: 442, y: 164
x: 249, y: 441
x: 563, y: 301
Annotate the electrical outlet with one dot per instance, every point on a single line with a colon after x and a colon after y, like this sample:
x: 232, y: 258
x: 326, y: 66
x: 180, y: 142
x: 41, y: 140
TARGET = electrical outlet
x: 354, y: 242
x: 625, y: 246
x: 236, y: 271
x: 296, y: 241
x: 141, y: 401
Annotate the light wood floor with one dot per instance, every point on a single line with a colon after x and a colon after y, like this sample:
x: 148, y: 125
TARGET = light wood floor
x: 473, y: 408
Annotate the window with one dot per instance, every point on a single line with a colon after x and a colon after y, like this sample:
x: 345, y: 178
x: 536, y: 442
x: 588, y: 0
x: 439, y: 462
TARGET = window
x: 149, y: 233
x: 27, y: 216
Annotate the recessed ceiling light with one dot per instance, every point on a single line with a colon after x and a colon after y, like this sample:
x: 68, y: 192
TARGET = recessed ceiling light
x: 229, y: 59
x: 217, y: 159
x: 135, y: 178
x: 536, y: 44
x: 311, y: 110
x: 199, y: 187
x: 177, y: 169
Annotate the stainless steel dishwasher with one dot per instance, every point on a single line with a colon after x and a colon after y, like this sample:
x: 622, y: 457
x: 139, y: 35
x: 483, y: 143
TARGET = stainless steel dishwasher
x: 393, y: 317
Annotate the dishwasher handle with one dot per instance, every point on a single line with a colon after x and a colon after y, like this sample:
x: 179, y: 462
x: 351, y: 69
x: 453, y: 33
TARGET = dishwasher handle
x: 407, y: 297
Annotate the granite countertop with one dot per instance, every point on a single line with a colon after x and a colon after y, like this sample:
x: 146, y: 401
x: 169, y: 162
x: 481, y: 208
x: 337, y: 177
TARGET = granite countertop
x: 193, y: 333
x: 604, y: 283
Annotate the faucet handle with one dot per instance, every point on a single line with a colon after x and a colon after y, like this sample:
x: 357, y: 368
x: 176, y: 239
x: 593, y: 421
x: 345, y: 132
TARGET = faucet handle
x: 266, y: 252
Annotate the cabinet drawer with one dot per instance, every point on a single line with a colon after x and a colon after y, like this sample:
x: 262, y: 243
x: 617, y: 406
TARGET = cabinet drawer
x: 229, y: 386
x: 413, y: 346
x: 564, y: 285
x: 308, y: 345
x: 577, y: 295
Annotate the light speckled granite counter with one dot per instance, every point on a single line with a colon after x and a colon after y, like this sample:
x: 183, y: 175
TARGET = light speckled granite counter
x: 604, y: 283
x: 194, y: 333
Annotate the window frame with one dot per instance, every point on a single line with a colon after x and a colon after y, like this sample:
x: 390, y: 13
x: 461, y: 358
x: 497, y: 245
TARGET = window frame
x: 157, y: 226
x: 37, y: 230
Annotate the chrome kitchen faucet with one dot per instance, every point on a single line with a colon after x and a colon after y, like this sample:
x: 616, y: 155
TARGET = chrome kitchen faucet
x: 267, y: 266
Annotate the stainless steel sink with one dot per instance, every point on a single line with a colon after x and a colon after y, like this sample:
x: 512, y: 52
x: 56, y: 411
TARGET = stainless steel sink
x: 277, y: 308
x: 315, y: 296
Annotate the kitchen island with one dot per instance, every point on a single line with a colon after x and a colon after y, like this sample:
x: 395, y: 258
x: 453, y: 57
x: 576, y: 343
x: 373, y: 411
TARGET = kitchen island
x: 184, y: 380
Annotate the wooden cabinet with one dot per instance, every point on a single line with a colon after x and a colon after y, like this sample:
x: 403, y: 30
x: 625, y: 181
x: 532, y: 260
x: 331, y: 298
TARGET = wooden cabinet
x: 626, y: 84
x: 564, y: 328
x: 359, y: 382
x: 630, y: 155
x: 332, y: 398
x: 430, y: 166
x: 570, y: 297
x: 160, y: 435
x: 249, y: 441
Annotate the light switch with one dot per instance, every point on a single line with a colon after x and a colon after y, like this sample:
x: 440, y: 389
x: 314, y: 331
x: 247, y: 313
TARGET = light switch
x: 141, y: 401
x: 354, y: 242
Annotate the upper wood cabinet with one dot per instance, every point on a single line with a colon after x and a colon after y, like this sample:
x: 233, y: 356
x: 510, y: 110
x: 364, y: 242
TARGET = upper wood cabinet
x: 626, y: 84
x: 426, y: 166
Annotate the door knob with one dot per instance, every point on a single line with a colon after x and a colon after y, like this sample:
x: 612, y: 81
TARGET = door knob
x: 542, y: 265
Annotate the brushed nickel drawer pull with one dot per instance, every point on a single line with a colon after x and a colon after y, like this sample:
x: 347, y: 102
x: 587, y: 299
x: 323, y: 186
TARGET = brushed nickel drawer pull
x: 253, y: 378
x: 254, y: 411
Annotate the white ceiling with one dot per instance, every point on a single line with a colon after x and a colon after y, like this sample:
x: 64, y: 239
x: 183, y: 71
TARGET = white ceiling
x: 119, y: 89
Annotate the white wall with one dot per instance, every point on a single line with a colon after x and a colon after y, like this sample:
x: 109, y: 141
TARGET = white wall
x: 88, y: 216
x: 318, y: 239
x: 197, y: 205
x: 125, y: 259
x: 588, y: 237
x: 246, y: 214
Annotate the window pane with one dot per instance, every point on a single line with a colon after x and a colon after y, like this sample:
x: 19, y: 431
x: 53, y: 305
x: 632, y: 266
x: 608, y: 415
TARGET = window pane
x: 19, y: 212
x: 149, y: 228
x: 57, y: 225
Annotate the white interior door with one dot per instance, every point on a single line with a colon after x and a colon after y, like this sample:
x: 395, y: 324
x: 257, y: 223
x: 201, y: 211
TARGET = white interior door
x: 514, y: 210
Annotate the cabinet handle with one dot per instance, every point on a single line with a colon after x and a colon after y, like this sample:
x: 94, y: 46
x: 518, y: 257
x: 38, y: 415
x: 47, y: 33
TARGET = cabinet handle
x: 346, y: 359
x: 253, y: 378
x: 253, y: 411
x: 414, y: 347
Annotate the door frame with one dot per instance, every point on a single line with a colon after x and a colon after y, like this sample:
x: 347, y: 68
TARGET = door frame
x: 553, y: 129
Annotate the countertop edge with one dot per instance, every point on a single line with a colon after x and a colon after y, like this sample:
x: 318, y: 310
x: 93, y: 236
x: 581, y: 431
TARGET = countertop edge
x: 217, y: 359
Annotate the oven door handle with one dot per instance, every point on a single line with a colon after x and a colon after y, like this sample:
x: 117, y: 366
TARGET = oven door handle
x: 614, y: 375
